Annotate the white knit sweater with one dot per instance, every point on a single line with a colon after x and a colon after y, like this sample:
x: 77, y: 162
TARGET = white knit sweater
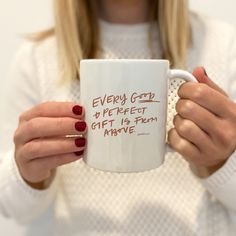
x: 167, y: 201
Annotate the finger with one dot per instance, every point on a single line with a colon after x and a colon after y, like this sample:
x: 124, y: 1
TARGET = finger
x: 201, y: 75
x: 40, y: 169
x: 49, y: 127
x: 52, y: 162
x: 204, y: 119
x: 191, y: 132
x: 54, y: 109
x: 39, y: 148
x: 187, y: 149
x: 206, y: 97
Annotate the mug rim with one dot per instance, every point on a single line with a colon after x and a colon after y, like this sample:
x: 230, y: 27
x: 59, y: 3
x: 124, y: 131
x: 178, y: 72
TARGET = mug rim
x: 125, y: 60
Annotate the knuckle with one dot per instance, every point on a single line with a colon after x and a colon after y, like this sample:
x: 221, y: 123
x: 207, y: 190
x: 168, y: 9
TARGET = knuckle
x: 18, y: 157
x: 175, y: 120
x: 226, y: 135
x: 184, y: 127
x: 170, y: 134
x: 199, y: 92
x: 17, y: 136
x: 171, y: 137
x: 22, y: 117
x: 217, y: 131
x: 181, y: 89
x: 31, y: 126
x: 185, y: 107
x: 180, y: 148
x: 40, y: 108
x: 177, y: 105
x: 32, y: 149
x: 177, y: 144
x: 189, y: 106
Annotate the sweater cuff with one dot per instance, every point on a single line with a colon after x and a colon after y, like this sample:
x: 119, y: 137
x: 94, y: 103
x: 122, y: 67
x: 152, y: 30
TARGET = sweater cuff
x: 224, y: 174
x: 18, y: 199
x: 222, y: 183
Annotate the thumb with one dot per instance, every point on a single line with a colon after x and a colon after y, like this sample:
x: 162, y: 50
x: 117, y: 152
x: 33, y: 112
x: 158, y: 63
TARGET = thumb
x: 202, y: 77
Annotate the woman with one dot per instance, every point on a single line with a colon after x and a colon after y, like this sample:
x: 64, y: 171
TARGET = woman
x: 42, y: 174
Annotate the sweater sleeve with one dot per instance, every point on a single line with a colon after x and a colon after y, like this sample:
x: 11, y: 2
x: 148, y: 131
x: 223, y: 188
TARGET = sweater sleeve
x: 17, y: 199
x: 222, y: 184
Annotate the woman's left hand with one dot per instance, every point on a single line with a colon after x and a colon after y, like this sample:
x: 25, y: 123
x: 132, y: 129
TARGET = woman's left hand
x: 204, y: 130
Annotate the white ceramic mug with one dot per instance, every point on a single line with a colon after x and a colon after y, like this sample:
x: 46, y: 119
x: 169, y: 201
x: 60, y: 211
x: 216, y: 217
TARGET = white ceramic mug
x: 125, y: 105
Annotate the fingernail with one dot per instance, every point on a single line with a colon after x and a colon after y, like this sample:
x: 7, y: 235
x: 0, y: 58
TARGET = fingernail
x: 80, y: 153
x: 80, y: 142
x: 204, y: 70
x: 77, y: 110
x: 80, y: 126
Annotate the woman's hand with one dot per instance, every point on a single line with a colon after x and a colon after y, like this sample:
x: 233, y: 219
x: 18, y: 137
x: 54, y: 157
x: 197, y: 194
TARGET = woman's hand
x: 40, y: 140
x: 204, y: 130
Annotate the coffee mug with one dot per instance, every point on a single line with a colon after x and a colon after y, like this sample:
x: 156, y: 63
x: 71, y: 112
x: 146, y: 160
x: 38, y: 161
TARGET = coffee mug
x: 125, y: 103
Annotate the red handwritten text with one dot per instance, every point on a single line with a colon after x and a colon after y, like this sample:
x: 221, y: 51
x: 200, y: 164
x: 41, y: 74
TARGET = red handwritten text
x: 143, y: 120
x: 116, y: 132
x: 123, y: 111
x: 102, y: 124
x: 142, y: 97
x: 109, y: 99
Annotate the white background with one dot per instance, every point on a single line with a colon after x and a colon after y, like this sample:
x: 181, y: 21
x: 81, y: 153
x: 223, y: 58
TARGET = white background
x: 24, y: 16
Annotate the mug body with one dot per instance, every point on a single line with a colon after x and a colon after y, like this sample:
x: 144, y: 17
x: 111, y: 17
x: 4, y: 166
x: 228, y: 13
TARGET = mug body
x: 125, y: 105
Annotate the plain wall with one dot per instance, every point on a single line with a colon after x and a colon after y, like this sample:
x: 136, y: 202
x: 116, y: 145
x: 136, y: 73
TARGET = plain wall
x: 18, y: 17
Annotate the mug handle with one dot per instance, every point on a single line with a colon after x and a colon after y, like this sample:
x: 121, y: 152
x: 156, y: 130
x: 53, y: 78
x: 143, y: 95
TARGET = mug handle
x: 180, y: 74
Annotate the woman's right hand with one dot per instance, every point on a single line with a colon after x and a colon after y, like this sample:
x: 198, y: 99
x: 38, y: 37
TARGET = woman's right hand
x: 41, y: 144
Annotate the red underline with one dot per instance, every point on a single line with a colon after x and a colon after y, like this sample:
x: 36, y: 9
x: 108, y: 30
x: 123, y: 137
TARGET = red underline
x: 144, y: 101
